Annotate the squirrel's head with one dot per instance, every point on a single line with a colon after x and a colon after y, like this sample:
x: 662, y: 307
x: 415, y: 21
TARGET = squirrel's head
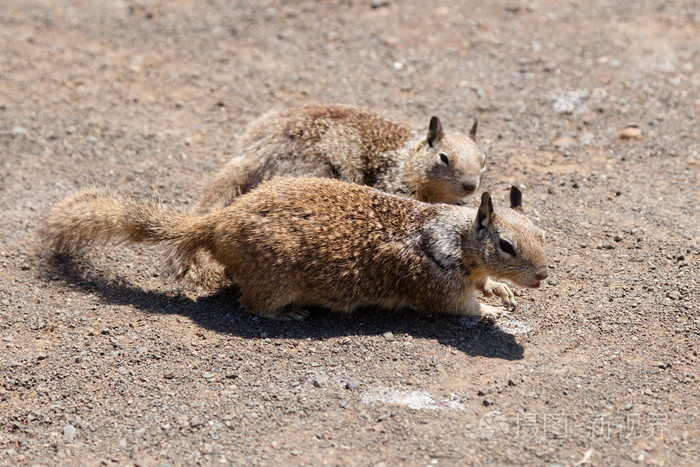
x: 453, y: 163
x: 512, y: 245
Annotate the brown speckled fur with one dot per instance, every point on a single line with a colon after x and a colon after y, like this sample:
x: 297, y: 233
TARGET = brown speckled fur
x: 348, y: 144
x: 303, y: 242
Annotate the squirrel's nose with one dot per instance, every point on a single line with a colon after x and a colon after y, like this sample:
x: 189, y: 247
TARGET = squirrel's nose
x: 542, y: 274
x: 469, y: 187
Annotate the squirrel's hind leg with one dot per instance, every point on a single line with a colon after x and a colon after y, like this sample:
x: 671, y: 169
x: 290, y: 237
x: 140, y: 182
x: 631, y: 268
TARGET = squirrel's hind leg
x: 278, y: 306
x: 292, y: 313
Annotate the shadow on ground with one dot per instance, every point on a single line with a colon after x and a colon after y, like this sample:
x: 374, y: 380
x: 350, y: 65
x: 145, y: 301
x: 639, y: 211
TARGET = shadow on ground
x: 221, y: 313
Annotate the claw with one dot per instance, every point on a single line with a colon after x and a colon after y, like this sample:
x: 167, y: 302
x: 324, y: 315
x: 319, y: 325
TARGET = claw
x: 502, y: 291
x: 293, y: 314
x: 491, y: 313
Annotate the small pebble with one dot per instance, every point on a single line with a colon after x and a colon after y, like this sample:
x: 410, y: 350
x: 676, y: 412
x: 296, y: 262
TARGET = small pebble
x: 142, y: 350
x: 352, y: 385
x: 488, y: 402
x: 195, y: 422
x: 320, y: 381
x: 208, y: 375
x: 69, y: 431
x: 78, y: 359
x: 554, y: 282
x: 19, y: 130
x: 674, y: 295
x: 631, y: 132
x: 563, y: 142
x: 388, y: 336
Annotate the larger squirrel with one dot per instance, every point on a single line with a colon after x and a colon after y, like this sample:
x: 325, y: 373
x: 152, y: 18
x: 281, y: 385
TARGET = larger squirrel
x: 356, y: 146
x: 307, y: 242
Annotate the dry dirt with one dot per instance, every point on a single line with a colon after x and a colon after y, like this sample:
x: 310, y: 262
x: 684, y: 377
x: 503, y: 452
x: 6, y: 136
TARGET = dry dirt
x: 107, y: 361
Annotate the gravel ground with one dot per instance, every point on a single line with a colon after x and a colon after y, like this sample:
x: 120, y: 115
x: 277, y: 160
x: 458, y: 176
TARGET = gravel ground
x: 590, y: 107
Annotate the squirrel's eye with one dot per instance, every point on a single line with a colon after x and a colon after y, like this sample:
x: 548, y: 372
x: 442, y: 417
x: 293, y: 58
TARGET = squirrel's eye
x: 506, y: 247
x: 445, y: 160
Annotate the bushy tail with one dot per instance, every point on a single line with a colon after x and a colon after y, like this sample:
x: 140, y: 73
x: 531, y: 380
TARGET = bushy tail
x: 93, y: 217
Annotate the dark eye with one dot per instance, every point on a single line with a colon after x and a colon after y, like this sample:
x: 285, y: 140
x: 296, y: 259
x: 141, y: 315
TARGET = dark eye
x: 506, y: 247
x: 445, y: 160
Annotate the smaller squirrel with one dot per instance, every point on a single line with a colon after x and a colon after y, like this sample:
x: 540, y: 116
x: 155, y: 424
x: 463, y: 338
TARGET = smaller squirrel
x: 301, y: 242
x: 348, y: 144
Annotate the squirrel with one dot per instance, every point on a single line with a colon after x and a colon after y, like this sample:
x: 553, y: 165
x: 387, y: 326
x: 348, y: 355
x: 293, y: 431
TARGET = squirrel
x: 345, y: 143
x: 317, y: 242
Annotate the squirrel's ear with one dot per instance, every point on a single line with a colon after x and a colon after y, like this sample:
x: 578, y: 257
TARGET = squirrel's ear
x: 472, y: 132
x: 516, y: 199
x: 434, y: 131
x: 483, y: 215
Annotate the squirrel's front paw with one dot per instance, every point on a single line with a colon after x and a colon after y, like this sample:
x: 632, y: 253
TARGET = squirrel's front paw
x: 502, y: 291
x: 491, y: 313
